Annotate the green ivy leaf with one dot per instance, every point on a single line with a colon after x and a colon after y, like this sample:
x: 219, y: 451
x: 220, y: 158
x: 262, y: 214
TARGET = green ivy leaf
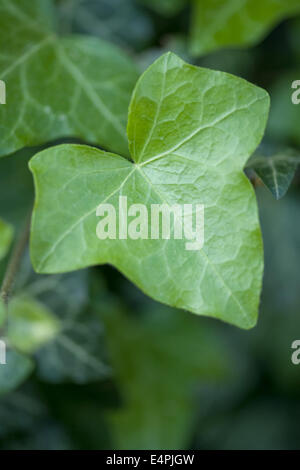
x: 59, y: 87
x: 76, y: 354
x: 16, y: 370
x: 30, y: 324
x: 6, y: 235
x: 189, y: 139
x: 276, y: 171
x: 225, y: 23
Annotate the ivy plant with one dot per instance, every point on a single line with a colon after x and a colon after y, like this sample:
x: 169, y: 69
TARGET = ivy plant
x: 230, y: 23
x: 120, y: 351
x: 219, y: 24
x: 73, y: 86
x: 188, y: 145
x: 276, y: 170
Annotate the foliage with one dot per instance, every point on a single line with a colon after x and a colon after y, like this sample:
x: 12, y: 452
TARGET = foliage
x: 52, y: 85
x: 276, y: 170
x: 94, y: 360
x: 229, y: 294
x: 227, y: 23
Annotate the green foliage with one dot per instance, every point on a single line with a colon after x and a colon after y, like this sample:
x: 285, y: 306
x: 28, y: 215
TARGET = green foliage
x: 276, y: 171
x: 59, y: 86
x: 118, y: 21
x: 219, y: 24
x: 176, y: 352
x: 92, y: 362
x: 230, y: 23
x: 30, y: 324
x: 205, y: 285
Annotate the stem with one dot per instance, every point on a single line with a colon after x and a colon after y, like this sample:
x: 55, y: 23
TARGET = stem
x: 14, y: 264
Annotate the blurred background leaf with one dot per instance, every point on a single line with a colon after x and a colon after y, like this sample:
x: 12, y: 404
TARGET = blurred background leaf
x: 30, y: 324
x: 227, y: 23
x: 118, y: 21
x: 276, y: 169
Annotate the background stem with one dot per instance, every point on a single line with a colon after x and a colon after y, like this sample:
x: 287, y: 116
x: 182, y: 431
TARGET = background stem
x: 14, y: 263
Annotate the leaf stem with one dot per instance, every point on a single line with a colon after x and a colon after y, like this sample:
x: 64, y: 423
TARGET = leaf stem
x: 14, y: 263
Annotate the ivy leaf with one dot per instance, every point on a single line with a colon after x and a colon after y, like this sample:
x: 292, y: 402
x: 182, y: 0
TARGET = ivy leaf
x: 76, y: 354
x: 222, y: 23
x: 16, y: 370
x: 59, y: 87
x: 189, y: 139
x: 30, y: 325
x: 118, y: 21
x: 276, y: 171
x: 6, y: 235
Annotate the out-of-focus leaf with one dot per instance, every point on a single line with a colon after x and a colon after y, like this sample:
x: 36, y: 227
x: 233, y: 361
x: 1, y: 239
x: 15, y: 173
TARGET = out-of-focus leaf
x: 66, y: 294
x: 59, y: 87
x: 165, y: 7
x: 76, y: 354
x: 118, y: 21
x: 276, y: 171
x: 30, y: 324
x: 6, y: 235
x: 74, y: 350
x: 158, y: 358
x: 16, y: 370
x: 180, y: 130
x: 225, y: 23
